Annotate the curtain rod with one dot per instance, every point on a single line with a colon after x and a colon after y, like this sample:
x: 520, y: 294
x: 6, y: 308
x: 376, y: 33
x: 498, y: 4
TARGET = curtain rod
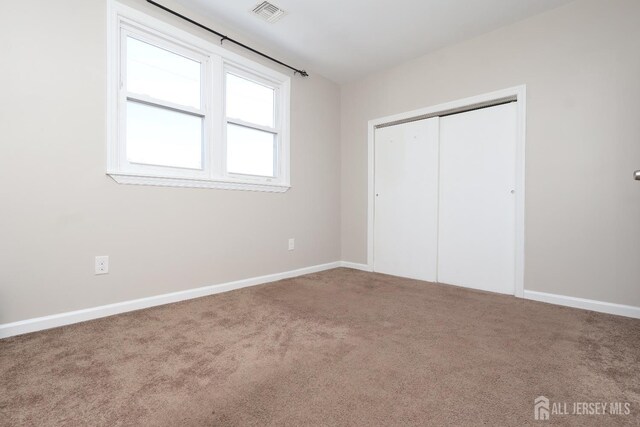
x: 303, y: 73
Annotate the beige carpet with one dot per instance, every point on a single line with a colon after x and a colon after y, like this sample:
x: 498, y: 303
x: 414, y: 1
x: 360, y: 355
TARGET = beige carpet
x: 342, y: 347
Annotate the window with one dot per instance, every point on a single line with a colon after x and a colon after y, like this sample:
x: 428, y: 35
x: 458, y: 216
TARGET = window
x: 184, y: 112
x: 164, y: 117
x: 252, y: 138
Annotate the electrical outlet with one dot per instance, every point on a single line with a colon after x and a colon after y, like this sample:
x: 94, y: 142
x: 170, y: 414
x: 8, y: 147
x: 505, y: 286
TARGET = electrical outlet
x: 102, y: 264
x: 292, y: 244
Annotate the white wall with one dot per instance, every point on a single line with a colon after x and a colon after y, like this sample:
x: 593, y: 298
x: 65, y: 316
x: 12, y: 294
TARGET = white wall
x: 58, y: 209
x: 581, y: 64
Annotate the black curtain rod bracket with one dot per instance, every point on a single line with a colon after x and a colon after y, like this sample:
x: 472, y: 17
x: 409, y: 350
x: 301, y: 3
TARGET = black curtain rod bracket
x: 303, y: 73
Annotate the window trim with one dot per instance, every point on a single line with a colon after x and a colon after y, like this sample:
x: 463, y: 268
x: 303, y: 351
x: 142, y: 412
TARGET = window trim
x: 216, y: 61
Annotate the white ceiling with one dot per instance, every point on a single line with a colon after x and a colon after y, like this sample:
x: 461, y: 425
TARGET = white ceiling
x: 347, y: 39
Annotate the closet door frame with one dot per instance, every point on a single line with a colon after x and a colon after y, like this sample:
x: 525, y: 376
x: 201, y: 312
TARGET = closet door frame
x: 517, y: 93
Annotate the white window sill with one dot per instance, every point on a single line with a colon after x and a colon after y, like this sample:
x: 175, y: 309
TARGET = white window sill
x: 122, y: 178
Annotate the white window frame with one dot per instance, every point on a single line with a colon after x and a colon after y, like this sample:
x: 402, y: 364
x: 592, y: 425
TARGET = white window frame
x: 216, y: 62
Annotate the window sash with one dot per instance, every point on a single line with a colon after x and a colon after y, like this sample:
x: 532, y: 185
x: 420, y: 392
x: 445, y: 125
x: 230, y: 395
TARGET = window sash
x: 180, y: 144
x: 128, y: 96
x: 276, y: 156
x: 169, y: 46
x: 252, y: 76
x: 275, y: 130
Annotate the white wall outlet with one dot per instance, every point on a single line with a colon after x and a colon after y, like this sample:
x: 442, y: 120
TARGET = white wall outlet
x: 102, y: 264
x: 292, y: 244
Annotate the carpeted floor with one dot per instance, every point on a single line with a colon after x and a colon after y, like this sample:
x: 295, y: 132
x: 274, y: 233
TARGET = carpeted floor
x: 341, y: 347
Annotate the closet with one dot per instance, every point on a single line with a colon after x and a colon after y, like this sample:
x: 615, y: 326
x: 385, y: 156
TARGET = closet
x: 444, y: 207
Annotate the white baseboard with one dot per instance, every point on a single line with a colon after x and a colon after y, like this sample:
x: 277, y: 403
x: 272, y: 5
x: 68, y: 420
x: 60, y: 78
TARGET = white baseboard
x: 356, y: 266
x: 61, y: 319
x: 585, y: 304
x: 53, y: 321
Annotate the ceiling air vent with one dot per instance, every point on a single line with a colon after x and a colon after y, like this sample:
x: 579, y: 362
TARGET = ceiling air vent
x: 269, y: 12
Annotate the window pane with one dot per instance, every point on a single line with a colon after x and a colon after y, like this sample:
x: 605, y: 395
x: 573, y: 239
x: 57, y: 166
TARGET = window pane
x: 250, y: 151
x: 157, y: 136
x: 249, y: 101
x: 161, y: 74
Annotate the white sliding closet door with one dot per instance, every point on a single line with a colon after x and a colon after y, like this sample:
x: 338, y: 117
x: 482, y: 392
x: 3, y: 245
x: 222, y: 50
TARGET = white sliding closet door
x: 476, y: 242
x: 406, y: 199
